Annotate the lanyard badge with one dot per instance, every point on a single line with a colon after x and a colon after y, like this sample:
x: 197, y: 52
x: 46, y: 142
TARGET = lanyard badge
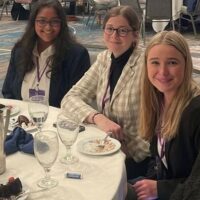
x: 37, y: 91
x: 33, y: 92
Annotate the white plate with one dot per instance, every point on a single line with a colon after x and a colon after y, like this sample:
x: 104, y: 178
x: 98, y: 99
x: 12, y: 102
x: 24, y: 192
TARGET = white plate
x: 90, y: 146
x: 26, y: 191
x: 14, y: 110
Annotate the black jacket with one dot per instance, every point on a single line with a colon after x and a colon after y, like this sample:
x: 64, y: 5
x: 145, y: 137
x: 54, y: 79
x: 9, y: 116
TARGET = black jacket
x: 75, y: 64
x: 181, y: 152
x: 190, y: 190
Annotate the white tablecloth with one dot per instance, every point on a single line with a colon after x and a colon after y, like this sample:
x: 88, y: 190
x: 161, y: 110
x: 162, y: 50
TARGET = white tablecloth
x: 176, y: 8
x: 104, y: 177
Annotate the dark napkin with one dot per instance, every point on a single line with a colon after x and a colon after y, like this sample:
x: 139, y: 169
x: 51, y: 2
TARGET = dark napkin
x: 19, y: 140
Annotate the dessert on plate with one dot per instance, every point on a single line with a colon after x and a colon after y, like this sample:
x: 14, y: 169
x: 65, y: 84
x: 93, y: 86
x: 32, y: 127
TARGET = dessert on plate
x: 12, y: 188
x: 21, y: 121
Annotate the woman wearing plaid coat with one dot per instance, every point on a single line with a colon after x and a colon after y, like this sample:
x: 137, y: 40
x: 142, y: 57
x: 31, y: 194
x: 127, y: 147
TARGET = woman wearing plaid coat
x: 112, y: 83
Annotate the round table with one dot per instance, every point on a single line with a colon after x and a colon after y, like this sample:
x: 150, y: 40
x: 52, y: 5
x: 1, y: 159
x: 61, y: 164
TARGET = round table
x: 104, y: 177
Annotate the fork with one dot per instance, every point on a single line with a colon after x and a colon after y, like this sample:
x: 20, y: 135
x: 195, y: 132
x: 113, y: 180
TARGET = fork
x: 103, y: 141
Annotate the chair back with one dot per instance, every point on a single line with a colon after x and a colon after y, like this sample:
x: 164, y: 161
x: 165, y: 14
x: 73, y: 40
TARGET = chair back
x: 135, y: 4
x: 190, y: 16
x: 5, y: 7
x: 197, y: 8
x: 96, y: 8
x: 91, y: 2
x: 158, y: 9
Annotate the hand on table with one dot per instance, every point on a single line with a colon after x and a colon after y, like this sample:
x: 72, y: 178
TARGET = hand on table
x: 146, y: 189
x: 107, y: 125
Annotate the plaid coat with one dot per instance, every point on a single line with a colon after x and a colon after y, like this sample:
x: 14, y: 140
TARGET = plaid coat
x: 122, y: 108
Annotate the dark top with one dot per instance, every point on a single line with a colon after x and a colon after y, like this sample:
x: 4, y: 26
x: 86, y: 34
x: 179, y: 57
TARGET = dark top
x: 75, y: 64
x: 117, y: 65
x: 180, y: 152
x: 190, y: 190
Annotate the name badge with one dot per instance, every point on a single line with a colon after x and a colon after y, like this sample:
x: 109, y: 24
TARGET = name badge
x: 33, y: 92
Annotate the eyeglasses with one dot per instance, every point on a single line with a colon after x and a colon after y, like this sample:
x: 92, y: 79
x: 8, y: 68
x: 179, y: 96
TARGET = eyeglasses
x: 43, y: 22
x: 122, y: 31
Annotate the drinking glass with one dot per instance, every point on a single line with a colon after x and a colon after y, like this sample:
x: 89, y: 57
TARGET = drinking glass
x: 38, y: 109
x: 68, y: 130
x: 46, y: 151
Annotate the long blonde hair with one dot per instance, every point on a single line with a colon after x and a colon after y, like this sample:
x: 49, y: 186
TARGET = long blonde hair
x: 151, y: 98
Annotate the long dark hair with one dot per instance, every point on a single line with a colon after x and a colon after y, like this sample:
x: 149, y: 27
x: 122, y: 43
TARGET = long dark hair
x: 27, y: 42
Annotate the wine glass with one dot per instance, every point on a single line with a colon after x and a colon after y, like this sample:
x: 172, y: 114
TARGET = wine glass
x: 46, y: 152
x: 38, y: 109
x: 68, y: 130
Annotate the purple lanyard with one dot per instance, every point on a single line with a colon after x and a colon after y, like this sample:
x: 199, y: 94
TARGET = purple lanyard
x: 39, y: 76
x: 160, y: 139
x: 106, y: 96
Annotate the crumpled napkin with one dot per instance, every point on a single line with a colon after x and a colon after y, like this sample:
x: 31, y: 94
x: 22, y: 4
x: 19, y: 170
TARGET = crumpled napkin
x: 19, y: 140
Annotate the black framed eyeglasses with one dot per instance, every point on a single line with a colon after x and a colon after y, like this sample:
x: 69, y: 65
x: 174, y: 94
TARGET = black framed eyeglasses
x: 122, y: 31
x: 53, y: 22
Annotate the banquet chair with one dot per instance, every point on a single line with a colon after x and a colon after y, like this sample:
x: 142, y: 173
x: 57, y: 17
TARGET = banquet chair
x: 192, y: 16
x: 157, y: 10
x: 69, y: 6
x: 97, y: 9
x: 5, y: 7
x: 134, y: 3
x: 140, y: 12
x: 25, y: 4
x: 65, y: 2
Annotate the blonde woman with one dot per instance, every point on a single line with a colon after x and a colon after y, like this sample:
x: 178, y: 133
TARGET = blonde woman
x: 169, y: 116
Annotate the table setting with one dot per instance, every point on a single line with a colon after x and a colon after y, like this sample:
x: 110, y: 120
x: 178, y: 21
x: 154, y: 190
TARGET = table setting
x: 85, y: 163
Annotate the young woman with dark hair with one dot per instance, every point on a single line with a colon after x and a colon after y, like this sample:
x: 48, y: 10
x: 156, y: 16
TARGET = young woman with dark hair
x: 47, y: 59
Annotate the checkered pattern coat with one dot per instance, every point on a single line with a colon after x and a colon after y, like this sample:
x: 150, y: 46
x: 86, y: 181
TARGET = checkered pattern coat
x: 124, y: 104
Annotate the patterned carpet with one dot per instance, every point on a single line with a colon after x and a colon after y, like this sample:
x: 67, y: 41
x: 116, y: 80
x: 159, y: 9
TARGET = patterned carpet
x: 10, y: 32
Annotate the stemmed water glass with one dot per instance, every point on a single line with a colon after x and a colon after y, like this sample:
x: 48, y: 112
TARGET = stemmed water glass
x: 46, y: 152
x: 68, y: 130
x: 38, y: 109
